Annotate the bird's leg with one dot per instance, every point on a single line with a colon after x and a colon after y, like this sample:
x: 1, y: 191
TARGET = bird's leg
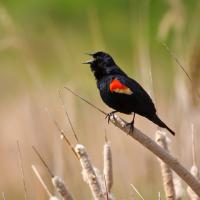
x: 131, y: 124
x: 110, y: 114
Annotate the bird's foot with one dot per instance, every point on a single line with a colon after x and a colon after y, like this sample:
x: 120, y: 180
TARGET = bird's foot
x: 110, y: 114
x: 131, y: 129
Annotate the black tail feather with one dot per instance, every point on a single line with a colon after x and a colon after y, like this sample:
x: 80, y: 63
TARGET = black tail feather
x: 155, y: 119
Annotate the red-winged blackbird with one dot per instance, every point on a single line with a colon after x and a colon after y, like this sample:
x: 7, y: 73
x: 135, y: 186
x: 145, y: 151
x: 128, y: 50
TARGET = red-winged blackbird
x: 121, y: 92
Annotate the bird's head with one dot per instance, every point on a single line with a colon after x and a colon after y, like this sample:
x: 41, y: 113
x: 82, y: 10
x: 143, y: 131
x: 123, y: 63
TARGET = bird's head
x: 100, y: 64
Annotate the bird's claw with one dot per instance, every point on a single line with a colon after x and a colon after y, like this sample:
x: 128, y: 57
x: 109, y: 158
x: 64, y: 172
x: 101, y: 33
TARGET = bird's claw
x: 131, y: 129
x: 109, y: 116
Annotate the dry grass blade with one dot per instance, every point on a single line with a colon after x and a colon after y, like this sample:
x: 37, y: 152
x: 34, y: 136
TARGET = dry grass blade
x: 135, y: 189
x: 177, y: 61
x: 22, y: 171
x: 181, y: 66
x: 62, y: 134
x: 156, y: 150
x: 89, y: 173
x: 61, y: 188
x: 167, y: 176
x: 69, y: 120
x: 57, y: 182
x: 43, y: 161
x: 85, y: 100
x: 41, y: 181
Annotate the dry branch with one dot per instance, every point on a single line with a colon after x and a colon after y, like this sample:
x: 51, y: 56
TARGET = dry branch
x: 153, y: 147
x: 167, y: 176
x: 160, y: 152
x: 89, y: 173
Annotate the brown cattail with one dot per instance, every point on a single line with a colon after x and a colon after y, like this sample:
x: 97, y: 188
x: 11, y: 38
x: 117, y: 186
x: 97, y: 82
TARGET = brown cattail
x: 89, y: 173
x: 161, y: 139
x: 61, y: 188
x: 107, y: 170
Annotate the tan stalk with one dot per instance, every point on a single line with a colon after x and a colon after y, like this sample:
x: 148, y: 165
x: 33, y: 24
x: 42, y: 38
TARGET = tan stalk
x: 137, y: 192
x: 57, y: 182
x: 41, y: 180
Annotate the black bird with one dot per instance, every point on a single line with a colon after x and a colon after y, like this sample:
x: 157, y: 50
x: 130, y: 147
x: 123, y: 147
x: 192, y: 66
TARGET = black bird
x: 121, y: 92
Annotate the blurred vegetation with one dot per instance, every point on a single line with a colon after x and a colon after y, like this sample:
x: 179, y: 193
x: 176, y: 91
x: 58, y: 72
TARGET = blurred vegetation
x: 57, y: 30
x: 42, y: 45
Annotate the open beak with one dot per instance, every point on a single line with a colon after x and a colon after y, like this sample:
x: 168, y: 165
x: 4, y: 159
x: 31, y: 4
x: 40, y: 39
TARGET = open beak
x: 89, y: 61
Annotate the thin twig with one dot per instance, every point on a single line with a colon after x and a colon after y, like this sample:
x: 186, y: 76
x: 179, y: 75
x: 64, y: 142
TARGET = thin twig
x: 62, y: 134
x: 176, y: 60
x: 57, y: 182
x: 135, y: 189
x: 66, y: 113
x: 155, y: 149
x: 22, y: 171
x: 43, y: 161
x: 91, y: 104
x: 41, y: 181
x: 181, y: 66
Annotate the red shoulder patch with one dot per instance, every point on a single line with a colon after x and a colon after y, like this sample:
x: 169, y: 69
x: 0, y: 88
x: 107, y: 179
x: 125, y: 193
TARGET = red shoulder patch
x: 118, y: 87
